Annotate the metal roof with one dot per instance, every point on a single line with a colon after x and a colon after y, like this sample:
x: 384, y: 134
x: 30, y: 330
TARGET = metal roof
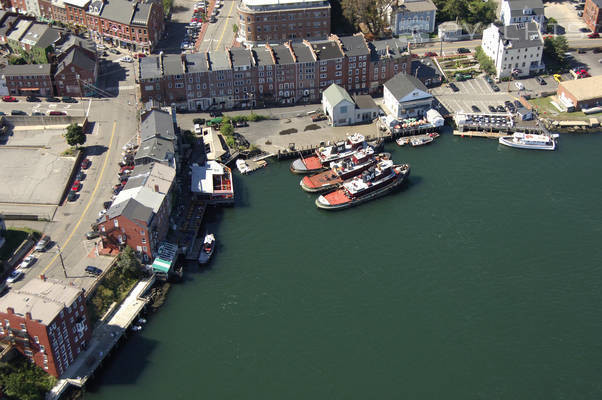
x: 157, y: 123
x: 26, y: 69
x: 150, y: 67
x: 335, y: 94
x: 401, y: 85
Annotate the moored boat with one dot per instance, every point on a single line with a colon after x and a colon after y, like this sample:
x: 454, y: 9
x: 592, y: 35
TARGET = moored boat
x: 207, y: 248
x: 523, y: 140
x: 242, y: 166
x: 373, y: 183
x: 325, y: 155
x: 341, y: 170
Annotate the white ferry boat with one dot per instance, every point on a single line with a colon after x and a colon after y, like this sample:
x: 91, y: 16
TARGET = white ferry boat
x: 523, y: 140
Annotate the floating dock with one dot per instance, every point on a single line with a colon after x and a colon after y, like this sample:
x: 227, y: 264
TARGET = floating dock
x: 484, y: 134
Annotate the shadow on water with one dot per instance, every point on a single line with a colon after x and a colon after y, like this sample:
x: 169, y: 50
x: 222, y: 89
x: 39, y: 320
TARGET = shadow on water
x: 136, y: 354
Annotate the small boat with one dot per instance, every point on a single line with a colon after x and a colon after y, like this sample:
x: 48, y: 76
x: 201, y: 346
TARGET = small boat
x: 242, y: 166
x: 373, y: 183
x: 207, y: 249
x: 325, y: 155
x: 141, y: 321
x: 342, y: 170
x: 523, y: 140
x: 402, y: 141
x: 136, y: 328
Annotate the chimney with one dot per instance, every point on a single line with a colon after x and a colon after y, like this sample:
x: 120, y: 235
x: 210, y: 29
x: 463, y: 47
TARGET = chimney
x: 157, y: 188
x: 28, y: 316
x: 10, y: 310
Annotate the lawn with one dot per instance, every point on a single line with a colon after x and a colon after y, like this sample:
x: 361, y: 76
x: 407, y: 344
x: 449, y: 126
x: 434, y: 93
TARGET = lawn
x: 14, y: 237
x: 546, y: 109
x: 113, y: 288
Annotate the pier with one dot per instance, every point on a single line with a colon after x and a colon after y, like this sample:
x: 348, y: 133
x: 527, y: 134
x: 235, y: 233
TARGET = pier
x: 484, y: 134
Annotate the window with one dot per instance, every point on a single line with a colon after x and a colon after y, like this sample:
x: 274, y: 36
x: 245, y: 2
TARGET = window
x: 343, y: 109
x: 116, y: 223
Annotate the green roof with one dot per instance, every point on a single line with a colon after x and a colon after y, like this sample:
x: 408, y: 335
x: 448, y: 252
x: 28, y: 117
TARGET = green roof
x: 335, y: 94
x: 166, y: 256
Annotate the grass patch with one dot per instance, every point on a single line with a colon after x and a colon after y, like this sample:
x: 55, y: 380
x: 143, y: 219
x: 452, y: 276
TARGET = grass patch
x: 14, y: 237
x: 70, y: 152
x: 113, y: 288
x: 311, y: 127
x: 547, y: 110
x: 288, y: 131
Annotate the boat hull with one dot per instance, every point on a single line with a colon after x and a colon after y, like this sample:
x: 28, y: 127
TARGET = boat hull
x: 369, y: 196
x: 205, y: 257
x: 307, y: 165
x: 507, y: 141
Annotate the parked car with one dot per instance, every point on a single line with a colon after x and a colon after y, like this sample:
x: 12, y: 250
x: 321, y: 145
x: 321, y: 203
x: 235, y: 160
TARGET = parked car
x: 27, y: 262
x: 86, y: 163
x: 9, y: 99
x: 18, y: 112
x: 540, y: 80
x: 77, y: 185
x: 500, y: 109
x: 215, y: 114
x: 72, y: 196
x: 32, y: 99
x: 68, y: 99
x: 240, y: 124
x: 114, y: 51
x: 90, y: 269
x: 430, y: 54
x: 519, y: 85
x: 197, y: 128
x: 107, y: 204
x: 37, y: 114
x: 453, y: 87
x: 463, y: 50
x: 42, y: 243
x: 57, y: 113
x: 53, y: 99
x: 318, y: 117
x: 127, y: 59
x: 495, y: 87
x: 517, y: 104
x: 15, y: 276
x: 491, y: 108
x: 80, y: 176
x: 475, y: 109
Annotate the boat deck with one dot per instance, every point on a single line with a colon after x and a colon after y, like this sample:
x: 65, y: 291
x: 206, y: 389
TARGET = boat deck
x: 324, y: 178
x: 337, y: 197
x: 312, y: 163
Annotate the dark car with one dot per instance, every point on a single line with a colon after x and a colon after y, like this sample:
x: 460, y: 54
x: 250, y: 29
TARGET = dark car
x: 488, y: 79
x: 500, y: 109
x: 93, y: 270
x: 517, y: 104
x: 18, y: 112
x: 463, y: 50
x: 92, y: 235
x: 80, y: 176
x: 67, y: 99
x: 107, y: 204
x: 540, y: 80
x: 597, y: 50
x: 491, y: 109
x: 32, y: 99
x: 72, y: 196
x: 37, y: 114
x: 475, y: 109
x: 53, y: 100
x: 453, y: 87
x: 86, y: 163
x: 214, y: 114
x: 495, y: 87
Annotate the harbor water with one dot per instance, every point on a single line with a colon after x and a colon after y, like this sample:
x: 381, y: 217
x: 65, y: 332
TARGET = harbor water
x: 481, y: 279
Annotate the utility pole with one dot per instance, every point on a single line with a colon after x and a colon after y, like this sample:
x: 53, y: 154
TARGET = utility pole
x: 62, y: 262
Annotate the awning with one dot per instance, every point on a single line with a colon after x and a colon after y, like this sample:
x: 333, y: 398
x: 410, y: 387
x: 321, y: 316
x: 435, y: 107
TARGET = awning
x: 160, y: 265
x: 32, y: 89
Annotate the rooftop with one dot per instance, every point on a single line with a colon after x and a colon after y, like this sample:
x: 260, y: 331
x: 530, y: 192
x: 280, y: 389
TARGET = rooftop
x: 132, y: 210
x: 263, y: 56
x: 401, y: 85
x: 364, y: 101
x: 219, y: 60
x: 78, y: 57
x: 19, y: 29
x: 585, y: 88
x: 157, y: 149
x: 172, y: 64
x: 214, y: 148
x: 118, y: 11
x: 77, y: 3
x: 520, y: 5
x: 416, y: 6
x: 34, y: 33
x: 157, y: 123
x: 335, y: 94
x: 44, y: 299
x: 520, y: 36
x: 26, y: 69
x: 283, y: 55
x: 141, y: 13
x: 240, y: 57
x: 196, y: 62
x: 150, y: 67
x: 143, y: 195
x: 156, y: 176
x: 202, y: 179
x: 327, y: 50
x: 259, y: 3
x: 354, y: 45
x: 302, y: 52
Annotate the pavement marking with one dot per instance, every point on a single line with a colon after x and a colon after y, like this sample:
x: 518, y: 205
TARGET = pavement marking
x: 88, y: 110
x: 81, y: 218
x: 225, y: 26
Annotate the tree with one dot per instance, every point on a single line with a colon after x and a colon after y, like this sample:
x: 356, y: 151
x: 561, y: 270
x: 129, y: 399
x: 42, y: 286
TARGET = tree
x: 370, y: 14
x: 128, y: 264
x: 555, y: 48
x: 75, y: 135
x: 235, y: 28
x: 22, y: 380
x: 484, y: 61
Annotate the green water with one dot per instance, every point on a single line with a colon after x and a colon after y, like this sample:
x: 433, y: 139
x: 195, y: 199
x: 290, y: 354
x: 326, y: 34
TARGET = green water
x: 480, y: 280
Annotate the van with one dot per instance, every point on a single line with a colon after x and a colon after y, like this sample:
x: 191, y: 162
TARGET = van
x: 519, y: 85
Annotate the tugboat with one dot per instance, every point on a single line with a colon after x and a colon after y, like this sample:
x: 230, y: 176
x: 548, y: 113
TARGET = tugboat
x: 342, y: 170
x: 523, y: 140
x: 207, y: 250
x: 373, y: 183
x: 325, y: 155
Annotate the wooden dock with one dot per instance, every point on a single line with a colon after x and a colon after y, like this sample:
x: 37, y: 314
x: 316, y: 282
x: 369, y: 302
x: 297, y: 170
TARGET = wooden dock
x: 484, y: 134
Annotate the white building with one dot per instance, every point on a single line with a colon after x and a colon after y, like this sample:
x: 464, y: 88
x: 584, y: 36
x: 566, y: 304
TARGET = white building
x: 342, y: 110
x: 516, y: 50
x: 412, y: 16
x: 405, y: 96
x: 521, y: 12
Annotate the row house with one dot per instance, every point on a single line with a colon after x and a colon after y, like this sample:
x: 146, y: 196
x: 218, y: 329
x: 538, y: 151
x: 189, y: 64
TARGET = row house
x: 139, y: 215
x: 289, y: 73
x: 47, y: 322
x: 592, y: 15
x: 76, y: 72
x: 28, y: 79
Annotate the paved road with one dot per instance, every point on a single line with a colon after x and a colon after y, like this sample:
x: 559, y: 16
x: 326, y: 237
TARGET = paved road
x: 220, y: 34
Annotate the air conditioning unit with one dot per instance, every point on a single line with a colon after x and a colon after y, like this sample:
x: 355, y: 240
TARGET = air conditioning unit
x: 306, y: 92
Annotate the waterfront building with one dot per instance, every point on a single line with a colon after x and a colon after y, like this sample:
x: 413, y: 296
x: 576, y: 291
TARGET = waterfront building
x: 516, y: 50
x: 214, y: 144
x: 212, y: 182
x: 278, y: 21
x: 592, y: 15
x: 405, y: 96
x: 46, y: 321
x: 289, y: 73
x: 139, y: 215
x: 341, y: 109
x: 521, y: 11
x: 412, y: 16
x: 581, y: 93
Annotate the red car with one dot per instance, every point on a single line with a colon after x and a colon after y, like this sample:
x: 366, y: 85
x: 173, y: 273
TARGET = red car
x: 86, y: 163
x: 430, y: 54
x: 57, y: 113
x: 594, y: 35
x: 126, y: 168
x: 9, y: 99
x: 77, y: 185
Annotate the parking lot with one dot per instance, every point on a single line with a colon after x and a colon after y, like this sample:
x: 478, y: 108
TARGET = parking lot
x: 570, y: 23
x: 588, y: 59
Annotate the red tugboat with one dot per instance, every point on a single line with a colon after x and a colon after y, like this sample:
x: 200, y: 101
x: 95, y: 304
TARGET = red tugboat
x: 373, y: 183
x: 342, y: 170
x: 325, y: 155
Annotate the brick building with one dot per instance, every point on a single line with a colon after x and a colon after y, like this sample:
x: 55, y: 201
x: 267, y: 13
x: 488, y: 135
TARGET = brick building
x: 289, y: 73
x: 75, y: 71
x: 46, y: 321
x: 29, y: 79
x: 139, y: 216
x: 273, y: 21
x: 592, y: 15
x: 581, y: 93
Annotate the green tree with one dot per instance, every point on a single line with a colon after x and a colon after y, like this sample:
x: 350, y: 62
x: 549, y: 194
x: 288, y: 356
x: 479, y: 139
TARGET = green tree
x: 485, y: 62
x: 556, y: 47
x: 227, y: 129
x: 167, y: 5
x: 128, y: 264
x: 23, y: 380
x: 75, y: 135
x: 235, y: 28
x: 370, y: 14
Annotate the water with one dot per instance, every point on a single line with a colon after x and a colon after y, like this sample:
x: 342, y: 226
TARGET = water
x: 480, y: 280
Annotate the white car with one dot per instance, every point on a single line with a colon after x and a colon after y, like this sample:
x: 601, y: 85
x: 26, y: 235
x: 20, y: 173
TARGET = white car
x: 14, y: 276
x: 27, y: 262
x: 101, y: 213
x: 197, y: 128
x: 100, y: 47
x: 127, y: 59
x: 519, y: 85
